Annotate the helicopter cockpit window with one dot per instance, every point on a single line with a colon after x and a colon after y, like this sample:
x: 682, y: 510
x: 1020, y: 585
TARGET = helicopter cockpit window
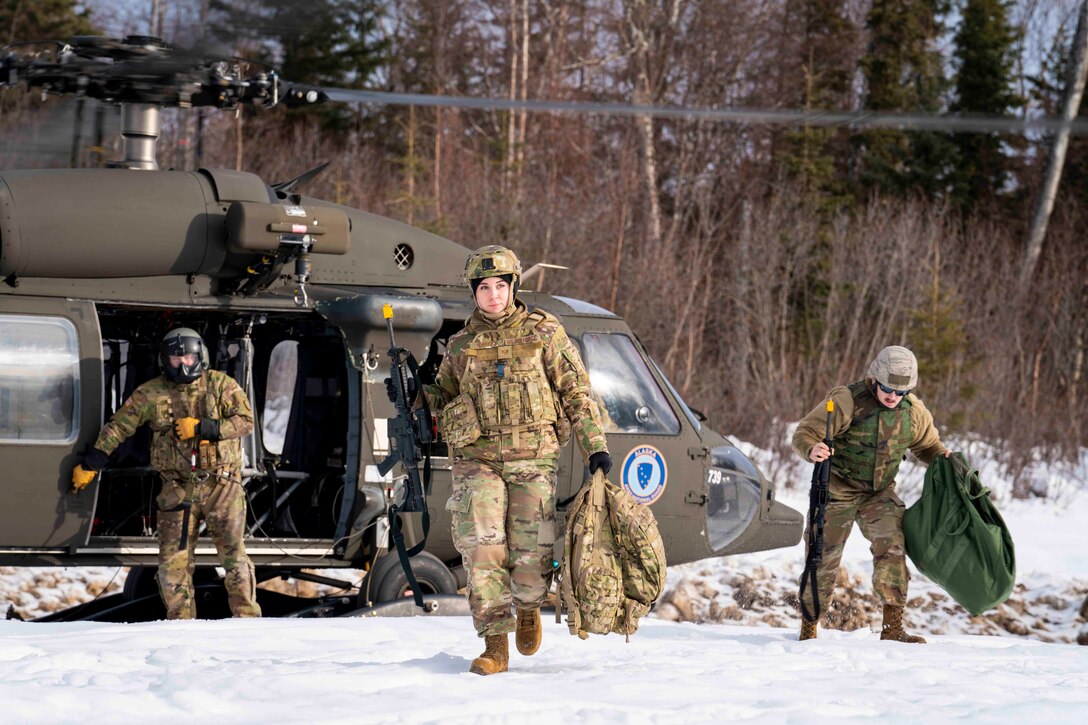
x: 39, y: 379
x: 621, y: 380
x: 282, y: 372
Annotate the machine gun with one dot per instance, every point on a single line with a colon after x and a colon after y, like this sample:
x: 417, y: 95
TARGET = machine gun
x: 410, y: 438
x: 817, y: 509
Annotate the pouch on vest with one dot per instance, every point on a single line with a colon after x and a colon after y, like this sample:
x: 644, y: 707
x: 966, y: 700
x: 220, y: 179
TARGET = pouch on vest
x: 956, y: 537
x: 459, y: 423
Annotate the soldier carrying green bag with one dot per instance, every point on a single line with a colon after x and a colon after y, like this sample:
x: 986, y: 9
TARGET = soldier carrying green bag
x: 875, y: 421
x: 509, y: 392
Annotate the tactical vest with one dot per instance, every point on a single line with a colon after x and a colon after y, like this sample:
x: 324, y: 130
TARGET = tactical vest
x: 174, y: 458
x: 505, y: 377
x: 870, y: 450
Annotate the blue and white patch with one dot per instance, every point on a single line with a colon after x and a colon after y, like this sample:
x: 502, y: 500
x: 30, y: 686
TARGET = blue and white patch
x: 645, y: 474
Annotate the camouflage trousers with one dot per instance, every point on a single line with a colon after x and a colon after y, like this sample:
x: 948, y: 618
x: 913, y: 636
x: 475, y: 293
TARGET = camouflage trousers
x: 222, y: 505
x: 880, y: 518
x: 504, y: 527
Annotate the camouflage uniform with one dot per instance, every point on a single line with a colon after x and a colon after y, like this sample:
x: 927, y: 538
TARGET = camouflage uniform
x: 213, y: 485
x: 504, y: 393
x: 870, y: 441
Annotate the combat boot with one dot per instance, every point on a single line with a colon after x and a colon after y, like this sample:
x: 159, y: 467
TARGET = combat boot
x: 893, y: 627
x: 496, y: 655
x: 808, y: 630
x: 529, y: 631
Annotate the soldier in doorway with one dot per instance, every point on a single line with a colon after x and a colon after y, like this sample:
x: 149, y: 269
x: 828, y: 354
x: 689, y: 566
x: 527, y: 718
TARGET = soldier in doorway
x: 197, y: 418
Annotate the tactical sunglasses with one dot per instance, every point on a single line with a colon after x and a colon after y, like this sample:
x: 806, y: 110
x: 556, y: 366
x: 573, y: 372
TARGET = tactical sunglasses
x: 892, y: 391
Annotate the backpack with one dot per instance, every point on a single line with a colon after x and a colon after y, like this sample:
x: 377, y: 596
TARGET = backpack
x: 956, y: 537
x: 613, y: 564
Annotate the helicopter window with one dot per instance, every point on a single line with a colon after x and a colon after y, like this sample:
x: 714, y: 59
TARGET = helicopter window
x: 279, y: 395
x: 39, y: 379
x: 632, y: 399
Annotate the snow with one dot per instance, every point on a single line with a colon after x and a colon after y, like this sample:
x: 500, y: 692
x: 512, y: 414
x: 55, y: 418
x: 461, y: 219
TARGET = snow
x: 741, y: 662
x: 415, y: 670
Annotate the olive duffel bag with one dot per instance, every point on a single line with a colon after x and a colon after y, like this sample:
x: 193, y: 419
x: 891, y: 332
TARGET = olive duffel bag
x: 956, y: 537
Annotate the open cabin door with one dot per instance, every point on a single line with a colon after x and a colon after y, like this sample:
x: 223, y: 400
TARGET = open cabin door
x: 50, y: 411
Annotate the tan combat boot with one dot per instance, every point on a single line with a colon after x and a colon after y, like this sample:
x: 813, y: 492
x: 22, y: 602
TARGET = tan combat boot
x: 893, y: 627
x: 496, y: 655
x: 808, y: 630
x: 529, y: 631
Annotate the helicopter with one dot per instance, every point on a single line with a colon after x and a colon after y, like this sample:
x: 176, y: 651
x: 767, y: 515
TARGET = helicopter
x: 287, y: 291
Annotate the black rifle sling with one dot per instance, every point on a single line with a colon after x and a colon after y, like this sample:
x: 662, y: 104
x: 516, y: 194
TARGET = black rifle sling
x: 403, y: 553
x: 817, y: 508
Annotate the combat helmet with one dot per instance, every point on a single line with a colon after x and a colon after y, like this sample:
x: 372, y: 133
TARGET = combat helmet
x: 895, y: 367
x: 493, y: 261
x: 183, y: 341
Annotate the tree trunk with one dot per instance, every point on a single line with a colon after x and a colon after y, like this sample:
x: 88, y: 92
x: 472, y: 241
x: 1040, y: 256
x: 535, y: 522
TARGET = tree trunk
x: 1078, y: 71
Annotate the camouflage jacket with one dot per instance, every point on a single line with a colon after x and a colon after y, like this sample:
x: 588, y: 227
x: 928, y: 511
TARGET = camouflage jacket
x: 924, y: 439
x: 159, y: 402
x: 527, y: 383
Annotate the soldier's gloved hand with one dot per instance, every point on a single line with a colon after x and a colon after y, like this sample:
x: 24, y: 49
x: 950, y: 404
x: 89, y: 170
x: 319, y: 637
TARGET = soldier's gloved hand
x: 600, y: 460
x: 85, y: 473
x: 208, y: 429
x: 391, y: 391
x: 185, y: 428
x: 82, y: 477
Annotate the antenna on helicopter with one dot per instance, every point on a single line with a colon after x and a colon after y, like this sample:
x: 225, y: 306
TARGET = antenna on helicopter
x: 540, y: 268
x: 143, y: 74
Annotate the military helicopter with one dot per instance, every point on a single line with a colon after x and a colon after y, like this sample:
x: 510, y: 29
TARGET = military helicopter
x: 287, y: 292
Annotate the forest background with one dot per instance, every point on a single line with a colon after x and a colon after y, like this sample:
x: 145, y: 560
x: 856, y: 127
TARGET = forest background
x: 760, y: 264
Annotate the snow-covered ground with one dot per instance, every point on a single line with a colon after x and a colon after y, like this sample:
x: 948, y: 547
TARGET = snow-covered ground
x: 736, y: 658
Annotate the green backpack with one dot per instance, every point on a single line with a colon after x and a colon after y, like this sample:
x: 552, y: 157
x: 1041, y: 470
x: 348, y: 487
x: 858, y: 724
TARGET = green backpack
x: 613, y: 565
x: 956, y: 537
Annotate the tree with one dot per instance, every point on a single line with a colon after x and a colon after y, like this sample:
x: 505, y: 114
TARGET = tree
x: 330, y: 43
x: 819, y: 71
x: 904, y: 72
x: 43, y: 20
x: 1049, y: 89
x: 985, y: 44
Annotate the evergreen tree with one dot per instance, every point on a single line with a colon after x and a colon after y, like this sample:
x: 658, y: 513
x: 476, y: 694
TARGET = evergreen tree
x: 823, y: 74
x: 43, y: 20
x: 904, y: 72
x: 984, y: 56
x: 327, y: 43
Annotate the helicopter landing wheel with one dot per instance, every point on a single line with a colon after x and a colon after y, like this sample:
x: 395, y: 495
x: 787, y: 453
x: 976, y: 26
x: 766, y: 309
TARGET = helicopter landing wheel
x: 387, y: 581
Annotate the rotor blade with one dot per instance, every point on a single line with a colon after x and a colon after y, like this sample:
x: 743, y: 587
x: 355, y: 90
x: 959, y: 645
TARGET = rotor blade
x: 785, y: 117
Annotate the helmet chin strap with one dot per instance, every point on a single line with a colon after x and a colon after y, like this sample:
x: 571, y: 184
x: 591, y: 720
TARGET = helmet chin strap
x: 185, y: 374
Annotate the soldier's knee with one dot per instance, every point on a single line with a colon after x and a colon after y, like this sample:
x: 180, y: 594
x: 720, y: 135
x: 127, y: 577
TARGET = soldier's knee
x: 490, y: 555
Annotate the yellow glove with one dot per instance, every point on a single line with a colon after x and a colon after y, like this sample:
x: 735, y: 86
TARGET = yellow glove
x: 185, y: 428
x: 82, y: 477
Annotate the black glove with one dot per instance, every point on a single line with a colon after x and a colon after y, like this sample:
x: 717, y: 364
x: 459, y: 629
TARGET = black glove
x: 208, y: 429
x: 601, y: 461
x: 95, y: 460
x: 391, y: 391
x: 86, y: 473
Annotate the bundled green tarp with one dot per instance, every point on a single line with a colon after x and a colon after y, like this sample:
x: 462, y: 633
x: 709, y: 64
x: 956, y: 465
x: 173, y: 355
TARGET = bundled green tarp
x: 956, y: 537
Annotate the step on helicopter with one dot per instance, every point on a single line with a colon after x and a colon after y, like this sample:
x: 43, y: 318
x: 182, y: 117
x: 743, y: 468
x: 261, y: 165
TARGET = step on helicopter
x: 287, y: 291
